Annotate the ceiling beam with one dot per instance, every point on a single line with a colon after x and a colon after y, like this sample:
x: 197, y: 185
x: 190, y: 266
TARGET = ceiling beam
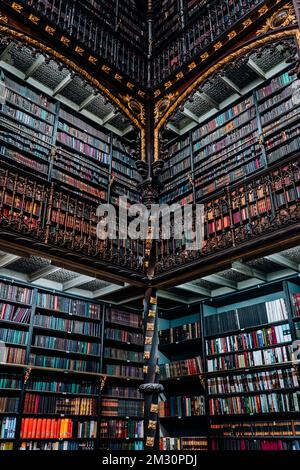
x: 6, y: 260
x: 242, y: 268
x: 107, y: 290
x: 283, y: 261
x: 170, y: 296
x: 209, y: 100
x: 42, y: 273
x: 231, y: 85
x: 109, y: 117
x: 36, y: 64
x: 256, y: 69
x: 78, y: 281
x: 190, y: 287
x: 6, y: 51
x: 88, y: 101
x: 63, y: 84
x: 190, y: 115
x: 221, y: 281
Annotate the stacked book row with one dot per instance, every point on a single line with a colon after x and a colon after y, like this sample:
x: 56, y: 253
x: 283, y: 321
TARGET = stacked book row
x: 49, y: 428
x: 181, y: 368
x: 253, y: 382
x: 181, y: 406
x: 122, y: 429
x: 69, y: 305
x: 44, y: 404
x: 253, y: 340
x: 250, y: 359
x: 69, y: 326
x: 268, y: 403
x: 68, y: 345
x: 119, y: 407
x: 180, y: 333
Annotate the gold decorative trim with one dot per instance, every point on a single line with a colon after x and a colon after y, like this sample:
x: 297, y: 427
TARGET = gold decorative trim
x: 135, y: 107
x: 163, y: 104
x: 183, y: 96
x: 283, y: 17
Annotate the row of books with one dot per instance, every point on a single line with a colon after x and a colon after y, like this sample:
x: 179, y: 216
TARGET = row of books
x: 31, y: 95
x: 62, y: 386
x: 214, y: 150
x: 28, y: 120
x: 68, y: 345
x: 183, y: 443
x: 79, y: 185
x: 8, y: 427
x: 252, y: 340
x: 233, y: 130
x: 10, y: 381
x: 268, y: 403
x: 9, y: 291
x: 63, y: 428
x: 250, y: 359
x: 119, y: 407
x: 58, y: 445
x: 6, y: 446
x: 182, y: 406
x: 85, y: 138
x: 225, y: 117
x: 286, y: 149
x: 124, y: 336
x: 13, y: 336
x: 180, y: 333
x: 9, y: 404
x: 246, y: 317
x: 122, y: 392
x: 257, y: 445
x: 81, y: 167
x: 16, y: 314
x: 13, y: 355
x: 33, y: 209
x: 27, y: 162
x: 124, y: 318
x: 69, y: 326
x: 82, y: 147
x: 181, y: 368
x: 123, y: 355
x: 53, y: 362
x: 282, y: 96
x: 83, y: 126
x: 29, y: 106
x: 123, y: 371
x: 44, y: 404
x: 256, y: 429
x: 69, y: 305
x: 275, y: 85
x: 253, y: 382
x: 122, y: 429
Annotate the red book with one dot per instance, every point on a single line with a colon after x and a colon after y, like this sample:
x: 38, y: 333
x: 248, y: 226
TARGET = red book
x: 38, y: 428
x: 34, y: 426
x: 43, y: 428
x: 30, y: 426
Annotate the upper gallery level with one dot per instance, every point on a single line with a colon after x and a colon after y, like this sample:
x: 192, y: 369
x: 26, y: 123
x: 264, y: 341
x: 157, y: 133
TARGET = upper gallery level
x: 147, y: 42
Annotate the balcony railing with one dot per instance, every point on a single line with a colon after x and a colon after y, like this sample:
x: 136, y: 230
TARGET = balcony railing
x: 54, y: 217
x: 251, y: 211
x: 243, y: 213
x: 98, y: 25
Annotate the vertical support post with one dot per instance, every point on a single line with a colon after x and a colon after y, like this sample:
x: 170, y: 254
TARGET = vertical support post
x: 151, y: 388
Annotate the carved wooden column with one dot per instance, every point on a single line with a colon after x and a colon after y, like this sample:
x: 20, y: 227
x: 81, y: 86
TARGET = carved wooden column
x: 151, y: 388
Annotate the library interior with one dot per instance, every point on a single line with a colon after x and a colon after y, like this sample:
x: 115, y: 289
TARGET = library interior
x: 142, y: 343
